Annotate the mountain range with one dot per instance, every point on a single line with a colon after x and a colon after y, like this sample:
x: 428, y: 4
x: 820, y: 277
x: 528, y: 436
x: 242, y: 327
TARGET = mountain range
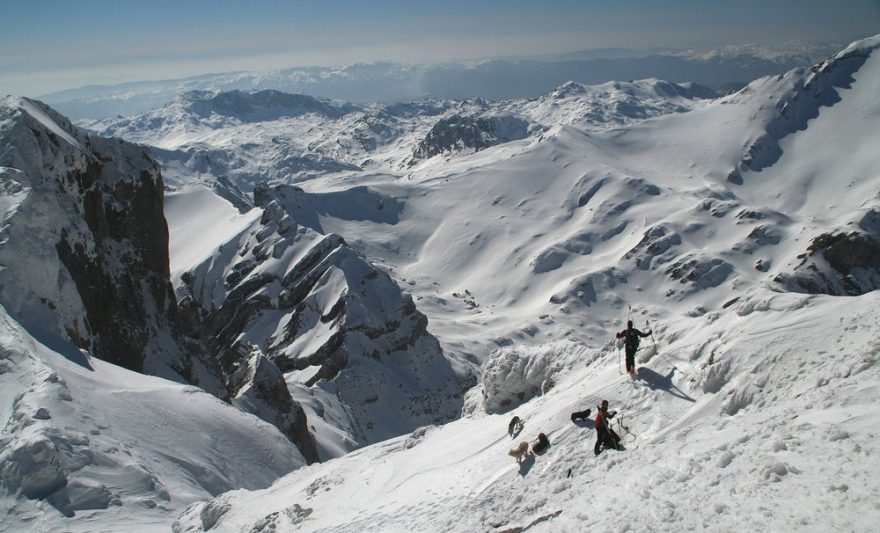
x: 338, y: 307
x: 725, y: 68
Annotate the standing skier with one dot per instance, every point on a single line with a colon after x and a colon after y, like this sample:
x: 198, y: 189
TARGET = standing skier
x: 631, y: 336
x: 604, y: 434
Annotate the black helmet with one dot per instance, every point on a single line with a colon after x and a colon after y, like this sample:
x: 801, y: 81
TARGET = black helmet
x: 604, y: 403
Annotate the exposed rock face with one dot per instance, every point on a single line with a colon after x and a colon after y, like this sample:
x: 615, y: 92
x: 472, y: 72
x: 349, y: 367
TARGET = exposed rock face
x: 321, y: 312
x: 85, y: 244
x: 459, y: 132
x: 842, y: 263
x: 259, y: 388
x: 85, y: 256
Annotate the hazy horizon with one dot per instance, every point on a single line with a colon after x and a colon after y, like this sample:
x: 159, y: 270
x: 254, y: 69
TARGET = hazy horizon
x: 53, y: 45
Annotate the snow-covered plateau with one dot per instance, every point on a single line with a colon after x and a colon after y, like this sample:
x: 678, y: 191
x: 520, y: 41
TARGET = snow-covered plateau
x: 357, y: 299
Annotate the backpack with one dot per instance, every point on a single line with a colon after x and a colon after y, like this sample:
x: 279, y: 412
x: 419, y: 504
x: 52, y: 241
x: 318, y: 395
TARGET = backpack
x: 632, y: 340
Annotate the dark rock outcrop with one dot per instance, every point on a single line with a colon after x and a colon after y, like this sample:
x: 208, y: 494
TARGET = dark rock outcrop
x: 841, y: 263
x: 85, y: 245
x: 460, y: 132
x: 258, y: 387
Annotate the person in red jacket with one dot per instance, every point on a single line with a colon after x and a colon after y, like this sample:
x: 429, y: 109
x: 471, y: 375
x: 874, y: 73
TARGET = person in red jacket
x: 631, y: 342
x: 604, y: 434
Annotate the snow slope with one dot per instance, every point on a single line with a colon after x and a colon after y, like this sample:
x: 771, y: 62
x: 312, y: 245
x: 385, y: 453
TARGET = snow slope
x: 92, y: 446
x: 663, y: 211
x: 755, y: 404
x: 762, y: 418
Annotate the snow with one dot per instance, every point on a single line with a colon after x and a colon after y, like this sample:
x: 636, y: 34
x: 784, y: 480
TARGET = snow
x: 750, y: 406
x: 200, y: 221
x: 753, y: 408
x: 759, y: 453
x: 43, y: 119
x: 126, y: 450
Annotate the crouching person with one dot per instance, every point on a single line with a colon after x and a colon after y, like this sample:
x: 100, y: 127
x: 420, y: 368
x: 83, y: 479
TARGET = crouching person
x: 605, y: 436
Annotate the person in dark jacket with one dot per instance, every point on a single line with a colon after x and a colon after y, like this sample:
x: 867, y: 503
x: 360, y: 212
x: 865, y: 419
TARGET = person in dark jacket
x: 631, y: 343
x: 605, y: 436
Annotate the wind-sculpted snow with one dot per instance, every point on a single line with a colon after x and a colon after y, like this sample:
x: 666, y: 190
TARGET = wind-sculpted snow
x: 513, y: 376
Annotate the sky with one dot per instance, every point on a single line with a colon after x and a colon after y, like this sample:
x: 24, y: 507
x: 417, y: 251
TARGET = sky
x: 51, y: 45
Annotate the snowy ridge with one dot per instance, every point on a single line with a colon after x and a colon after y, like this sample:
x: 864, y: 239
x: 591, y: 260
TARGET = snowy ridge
x: 83, y: 231
x: 325, y: 316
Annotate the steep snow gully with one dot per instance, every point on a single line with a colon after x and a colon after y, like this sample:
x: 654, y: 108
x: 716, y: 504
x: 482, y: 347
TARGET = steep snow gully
x: 371, y: 294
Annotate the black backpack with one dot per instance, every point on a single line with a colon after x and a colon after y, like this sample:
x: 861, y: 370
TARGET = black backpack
x: 632, y: 339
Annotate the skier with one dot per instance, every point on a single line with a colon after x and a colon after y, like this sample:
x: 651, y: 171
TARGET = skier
x: 631, y: 343
x: 604, y: 434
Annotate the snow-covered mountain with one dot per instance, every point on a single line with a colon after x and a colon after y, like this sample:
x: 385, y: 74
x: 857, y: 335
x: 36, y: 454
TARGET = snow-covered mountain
x: 493, y: 79
x: 84, y: 279
x: 254, y: 137
x: 350, y: 342
x: 741, y: 230
x: 756, y: 395
x: 86, y: 276
x: 85, y: 244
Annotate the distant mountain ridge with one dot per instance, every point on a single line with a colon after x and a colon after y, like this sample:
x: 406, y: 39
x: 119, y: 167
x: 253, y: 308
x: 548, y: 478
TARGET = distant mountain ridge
x: 249, y: 137
x: 731, y: 66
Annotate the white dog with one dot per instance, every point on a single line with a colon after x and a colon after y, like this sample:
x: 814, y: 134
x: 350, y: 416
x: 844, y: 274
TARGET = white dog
x: 519, y: 451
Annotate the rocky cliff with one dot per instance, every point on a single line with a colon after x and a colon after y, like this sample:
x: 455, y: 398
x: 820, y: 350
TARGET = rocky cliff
x: 326, y: 317
x: 85, y: 245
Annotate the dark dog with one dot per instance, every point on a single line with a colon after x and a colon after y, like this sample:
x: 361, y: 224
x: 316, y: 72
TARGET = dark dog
x: 580, y: 415
x: 515, y: 426
x: 541, y: 444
